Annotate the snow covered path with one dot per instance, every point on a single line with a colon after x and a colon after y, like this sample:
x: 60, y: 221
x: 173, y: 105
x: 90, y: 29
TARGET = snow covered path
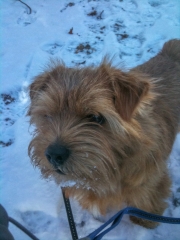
x: 80, y: 32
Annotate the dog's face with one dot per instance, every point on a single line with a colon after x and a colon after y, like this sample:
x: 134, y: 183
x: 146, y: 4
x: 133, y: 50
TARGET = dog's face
x: 86, y: 123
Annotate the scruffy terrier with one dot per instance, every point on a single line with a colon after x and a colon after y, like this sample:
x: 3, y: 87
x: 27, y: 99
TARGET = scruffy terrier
x: 108, y: 133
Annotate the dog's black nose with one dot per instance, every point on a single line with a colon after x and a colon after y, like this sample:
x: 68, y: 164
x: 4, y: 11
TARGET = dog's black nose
x: 57, y: 154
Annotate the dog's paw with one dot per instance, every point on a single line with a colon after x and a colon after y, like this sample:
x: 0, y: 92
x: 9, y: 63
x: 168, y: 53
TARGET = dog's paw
x: 144, y: 223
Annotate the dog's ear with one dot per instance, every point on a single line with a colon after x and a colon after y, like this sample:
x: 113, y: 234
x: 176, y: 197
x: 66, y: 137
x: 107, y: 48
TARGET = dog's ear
x: 54, y: 70
x: 129, y: 90
x: 38, y: 85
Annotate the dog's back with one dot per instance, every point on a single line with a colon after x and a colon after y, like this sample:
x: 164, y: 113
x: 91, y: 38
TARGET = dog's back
x: 165, y: 69
x: 165, y: 64
x: 171, y: 49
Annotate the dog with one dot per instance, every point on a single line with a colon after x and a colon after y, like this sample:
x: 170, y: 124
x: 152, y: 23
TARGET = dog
x: 108, y: 133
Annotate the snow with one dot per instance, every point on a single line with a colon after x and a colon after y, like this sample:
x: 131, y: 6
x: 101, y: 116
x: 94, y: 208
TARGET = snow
x: 133, y: 31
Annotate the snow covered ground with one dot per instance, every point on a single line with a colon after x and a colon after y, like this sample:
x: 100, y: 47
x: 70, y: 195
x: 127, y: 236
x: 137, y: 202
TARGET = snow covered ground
x: 80, y: 32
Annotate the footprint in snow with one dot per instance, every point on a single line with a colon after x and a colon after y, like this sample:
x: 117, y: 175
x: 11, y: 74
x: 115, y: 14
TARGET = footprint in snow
x: 52, y: 48
x: 7, y: 118
x: 157, y: 3
x: 176, y: 198
x: 26, y: 19
x: 38, y: 221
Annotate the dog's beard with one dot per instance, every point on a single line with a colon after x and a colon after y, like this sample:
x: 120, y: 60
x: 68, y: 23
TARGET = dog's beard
x: 91, y: 164
x: 97, y: 153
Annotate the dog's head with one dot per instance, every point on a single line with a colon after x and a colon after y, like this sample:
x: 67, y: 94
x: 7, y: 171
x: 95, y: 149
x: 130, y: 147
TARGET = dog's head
x: 86, y: 122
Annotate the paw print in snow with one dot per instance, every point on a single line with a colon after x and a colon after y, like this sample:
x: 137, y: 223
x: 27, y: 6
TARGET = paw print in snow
x: 6, y: 143
x: 52, y: 48
x: 157, y: 3
x: 31, y: 218
x: 176, y: 198
x: 26, y: 18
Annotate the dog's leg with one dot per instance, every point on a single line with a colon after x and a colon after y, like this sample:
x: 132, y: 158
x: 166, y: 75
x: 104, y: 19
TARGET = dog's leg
x: 101, y: 207
x: 152, y: 200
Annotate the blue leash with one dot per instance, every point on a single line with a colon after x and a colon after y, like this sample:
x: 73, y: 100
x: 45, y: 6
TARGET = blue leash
x: 116, y: 219
x: 95, y: 235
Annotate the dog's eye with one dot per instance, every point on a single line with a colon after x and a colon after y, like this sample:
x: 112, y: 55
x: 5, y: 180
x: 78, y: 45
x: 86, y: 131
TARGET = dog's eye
x: 96, y: 118
x: 48, y: 117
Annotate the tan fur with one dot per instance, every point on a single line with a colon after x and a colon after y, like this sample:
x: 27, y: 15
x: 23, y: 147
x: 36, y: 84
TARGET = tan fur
x: 122, y: 160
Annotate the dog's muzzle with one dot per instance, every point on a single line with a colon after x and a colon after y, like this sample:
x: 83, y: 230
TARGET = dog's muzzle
x: 57, y: 155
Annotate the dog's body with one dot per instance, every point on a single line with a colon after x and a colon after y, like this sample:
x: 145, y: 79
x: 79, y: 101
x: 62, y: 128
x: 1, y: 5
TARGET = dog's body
x: 108, y: 131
